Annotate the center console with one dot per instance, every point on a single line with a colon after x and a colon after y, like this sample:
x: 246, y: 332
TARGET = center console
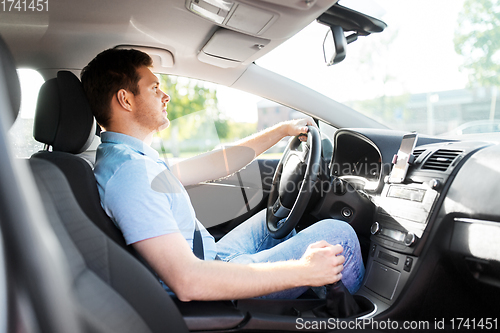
x: 404, y: 211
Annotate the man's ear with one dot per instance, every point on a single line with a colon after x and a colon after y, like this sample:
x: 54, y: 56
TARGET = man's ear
x: 124, y: 98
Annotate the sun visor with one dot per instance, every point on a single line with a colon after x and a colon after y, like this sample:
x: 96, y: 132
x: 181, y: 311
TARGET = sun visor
x: 228, y: 48
x: 162, y: 59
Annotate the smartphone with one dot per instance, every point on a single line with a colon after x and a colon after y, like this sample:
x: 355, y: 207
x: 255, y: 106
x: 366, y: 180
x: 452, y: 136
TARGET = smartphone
x: 398, y: 173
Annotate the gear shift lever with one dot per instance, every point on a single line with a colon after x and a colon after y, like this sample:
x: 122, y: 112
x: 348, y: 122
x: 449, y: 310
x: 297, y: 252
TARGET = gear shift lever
x: 339, y: 303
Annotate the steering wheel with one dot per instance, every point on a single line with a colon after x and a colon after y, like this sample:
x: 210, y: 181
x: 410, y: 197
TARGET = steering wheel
x: 293, y: 183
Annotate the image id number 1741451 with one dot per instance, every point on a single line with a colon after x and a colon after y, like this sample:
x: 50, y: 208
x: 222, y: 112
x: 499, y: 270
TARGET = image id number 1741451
x: 474, y: 324
x: 24, y: 5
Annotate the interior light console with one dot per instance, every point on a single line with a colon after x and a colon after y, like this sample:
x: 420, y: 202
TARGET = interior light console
x: 233, y: 15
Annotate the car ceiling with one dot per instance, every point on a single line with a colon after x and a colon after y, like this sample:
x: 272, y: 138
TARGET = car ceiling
x: 72, y: 32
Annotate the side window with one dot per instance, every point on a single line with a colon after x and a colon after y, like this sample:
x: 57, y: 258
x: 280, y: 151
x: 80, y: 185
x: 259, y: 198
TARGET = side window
x: 21, y: 133
x: 327, y: 133
x: 205, y: 115
x: 327, y: 129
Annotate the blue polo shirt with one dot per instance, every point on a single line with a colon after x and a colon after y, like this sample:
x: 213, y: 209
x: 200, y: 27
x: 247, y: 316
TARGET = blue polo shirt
x: 141, y: 195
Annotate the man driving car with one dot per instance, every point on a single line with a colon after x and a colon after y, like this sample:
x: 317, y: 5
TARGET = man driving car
x: 128, y: 104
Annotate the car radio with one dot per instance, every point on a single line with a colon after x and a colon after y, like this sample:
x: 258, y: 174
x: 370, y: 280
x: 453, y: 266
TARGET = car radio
x: 402, y: 213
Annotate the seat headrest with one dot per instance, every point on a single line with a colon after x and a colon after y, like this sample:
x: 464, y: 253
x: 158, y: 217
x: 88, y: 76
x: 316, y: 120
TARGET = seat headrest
x: 11, y: 79
x: 63, y: 118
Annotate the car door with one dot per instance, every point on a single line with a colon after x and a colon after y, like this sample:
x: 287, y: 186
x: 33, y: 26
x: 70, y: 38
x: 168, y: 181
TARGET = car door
x: 223, y: 204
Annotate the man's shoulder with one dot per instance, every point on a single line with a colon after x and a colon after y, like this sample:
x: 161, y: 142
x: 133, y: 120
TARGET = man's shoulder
x: 119, y: 153
x: 115, y: 159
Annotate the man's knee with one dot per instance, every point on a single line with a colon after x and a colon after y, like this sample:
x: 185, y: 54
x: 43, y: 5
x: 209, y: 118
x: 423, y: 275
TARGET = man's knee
x: 336, y: 230
x: 338, y: 225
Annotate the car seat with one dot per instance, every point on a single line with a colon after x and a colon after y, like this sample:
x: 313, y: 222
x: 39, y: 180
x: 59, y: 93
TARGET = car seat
x: 65, y: 124
x: 35, y: 293
x: 117, y: 290
x: 76, y: 278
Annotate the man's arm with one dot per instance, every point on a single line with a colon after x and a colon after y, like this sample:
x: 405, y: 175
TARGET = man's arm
x: 194, y: 279
x: 226, y: 161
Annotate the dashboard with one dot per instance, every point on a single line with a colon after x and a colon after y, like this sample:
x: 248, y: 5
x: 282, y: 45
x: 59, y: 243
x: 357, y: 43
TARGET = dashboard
x: 447, y: 206
x: 356, y: 160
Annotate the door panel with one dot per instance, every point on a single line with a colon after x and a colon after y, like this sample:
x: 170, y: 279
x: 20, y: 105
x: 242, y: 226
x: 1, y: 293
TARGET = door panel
x: 228, y: 199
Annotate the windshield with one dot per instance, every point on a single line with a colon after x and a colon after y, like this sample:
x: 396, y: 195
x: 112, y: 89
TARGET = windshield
x: 432, y: 70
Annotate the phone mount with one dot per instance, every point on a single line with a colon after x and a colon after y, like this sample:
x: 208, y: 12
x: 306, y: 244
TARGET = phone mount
x: 411, y: 159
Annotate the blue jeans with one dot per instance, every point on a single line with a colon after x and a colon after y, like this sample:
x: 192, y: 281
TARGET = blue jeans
x: 251, y: 242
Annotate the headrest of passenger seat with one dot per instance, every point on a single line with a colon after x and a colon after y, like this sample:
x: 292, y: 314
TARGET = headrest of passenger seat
x: 63, y: 118
x: 11, y: 79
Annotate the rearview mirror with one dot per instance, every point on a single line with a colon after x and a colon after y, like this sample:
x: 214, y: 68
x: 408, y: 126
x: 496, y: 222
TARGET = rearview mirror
x: 334, y: 45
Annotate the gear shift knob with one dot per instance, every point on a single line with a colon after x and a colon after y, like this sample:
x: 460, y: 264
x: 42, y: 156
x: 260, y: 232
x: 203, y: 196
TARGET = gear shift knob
x: 339, y: 303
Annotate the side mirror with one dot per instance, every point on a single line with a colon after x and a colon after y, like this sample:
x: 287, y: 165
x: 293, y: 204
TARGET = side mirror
x: 334, y: 45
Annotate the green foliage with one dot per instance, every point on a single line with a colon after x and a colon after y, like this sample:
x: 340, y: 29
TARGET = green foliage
x: 238, y: 130
x: 477, y: 39
x: 197, y: 125
x: 222, y: 127
x: 187, y: 97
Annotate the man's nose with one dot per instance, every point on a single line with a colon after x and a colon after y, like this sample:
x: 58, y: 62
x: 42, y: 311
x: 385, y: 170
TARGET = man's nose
x: 166, y: 97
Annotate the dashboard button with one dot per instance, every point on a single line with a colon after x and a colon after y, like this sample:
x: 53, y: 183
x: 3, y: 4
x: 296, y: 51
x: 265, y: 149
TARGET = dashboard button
x: 346, y: 212
x: 375, y: 228
x: 434, y: 184
x: 408, y: 264
x: 409, y: 239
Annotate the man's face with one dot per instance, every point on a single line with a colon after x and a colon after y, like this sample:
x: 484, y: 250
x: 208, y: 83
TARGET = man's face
x: 151, y: 102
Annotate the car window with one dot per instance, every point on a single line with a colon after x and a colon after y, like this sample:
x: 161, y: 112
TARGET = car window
x: 204, y: 116
x: 21, y: 133
x: 327, y: 130
x: 433, y: 69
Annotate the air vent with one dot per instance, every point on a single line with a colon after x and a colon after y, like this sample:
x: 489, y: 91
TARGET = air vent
x: 417, y: 153
x: 441, y: 160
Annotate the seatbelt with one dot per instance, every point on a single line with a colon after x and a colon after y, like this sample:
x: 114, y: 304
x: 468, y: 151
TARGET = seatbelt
x: 197, y: 240
x: 198, y: 243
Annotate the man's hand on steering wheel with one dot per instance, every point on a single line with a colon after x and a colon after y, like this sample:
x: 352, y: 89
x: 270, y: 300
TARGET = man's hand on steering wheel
x: 298, y: 127
x: 294, y: 178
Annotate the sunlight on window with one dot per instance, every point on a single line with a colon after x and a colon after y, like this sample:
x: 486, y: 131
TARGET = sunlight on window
x: 414, y: 76
x: 21, y: 133
x: 31, y: 81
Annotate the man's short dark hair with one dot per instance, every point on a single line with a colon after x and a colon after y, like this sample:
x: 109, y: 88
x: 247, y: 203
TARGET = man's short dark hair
x: 110, y: 71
